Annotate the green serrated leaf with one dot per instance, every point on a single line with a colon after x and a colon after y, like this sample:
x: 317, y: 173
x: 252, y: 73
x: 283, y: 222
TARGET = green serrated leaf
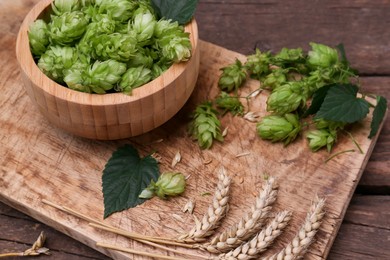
x: 177, y: 10
x: 318, y: 99
x: 378, y: 115
x: 342, y: 105
x: 125, y: 176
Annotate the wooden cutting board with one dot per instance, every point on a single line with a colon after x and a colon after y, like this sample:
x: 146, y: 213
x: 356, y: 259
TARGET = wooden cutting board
x: 39, y: 161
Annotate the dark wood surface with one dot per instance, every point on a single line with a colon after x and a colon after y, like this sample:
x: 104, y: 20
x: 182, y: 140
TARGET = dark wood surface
x: 363, y: 27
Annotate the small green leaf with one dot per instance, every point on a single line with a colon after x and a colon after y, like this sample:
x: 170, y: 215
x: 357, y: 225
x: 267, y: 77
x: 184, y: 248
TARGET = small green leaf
x: 318, y: 99
x: 342, y: 105
x: 378, y: 115
x: 343, y: 55
x: 177, y: 10
x: 125, y: 176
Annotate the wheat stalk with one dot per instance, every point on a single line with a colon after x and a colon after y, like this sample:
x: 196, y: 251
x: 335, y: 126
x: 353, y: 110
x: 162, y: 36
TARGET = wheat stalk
x: 305, y: 237
x: 249, y: 225
x: 258, y: 244
x: 216, y: 211
x: 36, y: 249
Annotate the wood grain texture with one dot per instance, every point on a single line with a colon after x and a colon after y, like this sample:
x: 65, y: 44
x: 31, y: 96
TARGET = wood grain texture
x: 67, y: 170
x: 367, y: 48
x: 110, y: 116
x: 271, y: 25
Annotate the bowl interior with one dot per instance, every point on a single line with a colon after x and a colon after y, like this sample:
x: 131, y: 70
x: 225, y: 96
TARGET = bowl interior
x: 42, y: 10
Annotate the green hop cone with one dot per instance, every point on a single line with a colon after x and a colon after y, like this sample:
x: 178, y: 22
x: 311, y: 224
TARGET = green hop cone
x: 38, y: 35
x: 322, y: 56
x: 229, y: 103
x: 175, y: 45
x: 62, y: 6
x: 327, y: 124
x: 164, y: 27
x: 117, y: 46
x: 56, y: 60
x: 159, y: 67
x: 74, y: 76
x: 287, y: 97
x: 102, y: 76
x: 143, y: 25
x: 279, y: 128
x: 168, y: 184
x: 142, y: 57
x: 120, y: 10
x: 321, y: 138
x: 102, y: 24
x: 134, y: 78
x: 276, y: 78
x: 205, y: 126
x: 288, y: 56
x: 317, y: 79
x: 232, y: 77
x: 258, y: 64
x: 67, y: 28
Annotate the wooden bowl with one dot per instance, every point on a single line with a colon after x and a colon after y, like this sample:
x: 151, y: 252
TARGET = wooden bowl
x: 107, y: 116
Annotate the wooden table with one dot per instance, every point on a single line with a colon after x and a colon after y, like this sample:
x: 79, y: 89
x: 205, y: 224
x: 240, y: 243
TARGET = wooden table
x: 363, y: 27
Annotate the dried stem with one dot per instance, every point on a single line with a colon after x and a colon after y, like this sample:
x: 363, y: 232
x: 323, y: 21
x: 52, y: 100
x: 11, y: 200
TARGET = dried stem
x: 149, y: 240
x: 214, y: 214
x: 253, y: 248
x: 249, y: 225
x: 305, y: 237
x: 36, y: 249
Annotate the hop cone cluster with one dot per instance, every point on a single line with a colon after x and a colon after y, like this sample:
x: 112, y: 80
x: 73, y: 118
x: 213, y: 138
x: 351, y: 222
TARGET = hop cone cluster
x: 168, y: 184
x: 205, y: 126
x: 100, y: 46
x: 229, y: 103
x: 293, y: 77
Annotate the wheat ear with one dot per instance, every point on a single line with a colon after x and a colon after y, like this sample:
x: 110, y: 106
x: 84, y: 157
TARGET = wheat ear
x: 305, y: 237
x: 249, y: 225
x: 258, y: 244
x: 216, y: 211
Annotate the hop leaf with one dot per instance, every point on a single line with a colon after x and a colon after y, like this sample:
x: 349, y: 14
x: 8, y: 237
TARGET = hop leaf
x: 229, y: 103
x: 205, y: 126
x: 56, y: 60
x: 258, y: 64
x: 68, y: 27
x: 38, y: 35
x: 232, y: 77
x: 287, y: 98
x: 134, y: 78
x: 321, y: 138
x: 279, y: 128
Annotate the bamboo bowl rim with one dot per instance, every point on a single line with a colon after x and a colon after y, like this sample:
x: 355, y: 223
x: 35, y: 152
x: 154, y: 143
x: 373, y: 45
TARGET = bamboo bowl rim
x: 38, y: 78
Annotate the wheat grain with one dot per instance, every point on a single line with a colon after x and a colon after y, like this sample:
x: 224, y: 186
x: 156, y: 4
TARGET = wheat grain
x: 216, y: 211
x: 258, y: 244
x: 305, y: 237
x: 249, y: 225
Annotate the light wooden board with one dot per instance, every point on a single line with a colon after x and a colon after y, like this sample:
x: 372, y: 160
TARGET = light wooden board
x: 39, y: 161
